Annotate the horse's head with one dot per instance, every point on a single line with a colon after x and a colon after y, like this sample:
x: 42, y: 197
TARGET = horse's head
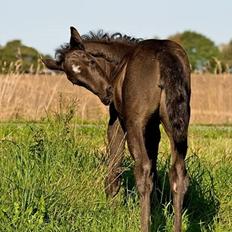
x: 82, y: 68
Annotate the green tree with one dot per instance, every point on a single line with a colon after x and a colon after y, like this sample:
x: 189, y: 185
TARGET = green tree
x: 15, y: 56
x: 226, y: 55
x: 199, y: 48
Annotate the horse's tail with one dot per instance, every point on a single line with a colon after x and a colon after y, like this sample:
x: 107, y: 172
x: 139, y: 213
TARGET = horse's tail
x: 175, y: 79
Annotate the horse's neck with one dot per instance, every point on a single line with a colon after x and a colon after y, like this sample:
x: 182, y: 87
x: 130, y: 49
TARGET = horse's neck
x: 112, y: 58
x: 109, y: 55
x: 118, y: 70
x: 118, y: 76
x: 112, y: 51
x: 106, y: 66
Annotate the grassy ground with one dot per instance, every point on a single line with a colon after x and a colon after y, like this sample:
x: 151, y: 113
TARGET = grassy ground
x: 52, y: 179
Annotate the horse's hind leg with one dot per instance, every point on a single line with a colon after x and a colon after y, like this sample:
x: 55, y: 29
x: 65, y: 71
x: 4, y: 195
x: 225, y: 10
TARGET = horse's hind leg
x: 143, y: 169
x: 179, y: 180
x: 116, y: 144
x: 152, y: 139
x: 178, y: 175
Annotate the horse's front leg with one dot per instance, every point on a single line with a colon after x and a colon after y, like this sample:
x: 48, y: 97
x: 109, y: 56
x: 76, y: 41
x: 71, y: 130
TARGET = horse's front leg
x: 115, y: 149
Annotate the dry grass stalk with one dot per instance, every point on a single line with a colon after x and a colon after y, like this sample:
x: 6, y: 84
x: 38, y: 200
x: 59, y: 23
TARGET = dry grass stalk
x: 32, y: 97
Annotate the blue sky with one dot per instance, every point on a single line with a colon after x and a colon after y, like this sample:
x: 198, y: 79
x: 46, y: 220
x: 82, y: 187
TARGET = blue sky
x: 44, y: 24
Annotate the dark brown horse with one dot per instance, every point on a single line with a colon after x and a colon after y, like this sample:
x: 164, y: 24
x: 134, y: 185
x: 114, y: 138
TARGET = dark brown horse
x: 145, y: 83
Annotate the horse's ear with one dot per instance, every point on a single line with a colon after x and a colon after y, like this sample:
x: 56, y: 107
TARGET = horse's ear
x: 52, y: 64
x: 75, y: 39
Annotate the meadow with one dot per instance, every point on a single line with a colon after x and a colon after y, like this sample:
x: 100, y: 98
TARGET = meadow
x: 54, y: 161
x: 52, y: 179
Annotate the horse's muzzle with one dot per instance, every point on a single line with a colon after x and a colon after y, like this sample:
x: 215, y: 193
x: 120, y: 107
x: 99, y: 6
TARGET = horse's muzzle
x: 109, y: 96
x: 106, y: 101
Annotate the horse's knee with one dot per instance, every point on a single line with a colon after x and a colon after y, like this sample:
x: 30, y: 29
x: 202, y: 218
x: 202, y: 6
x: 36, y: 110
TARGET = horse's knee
x: 143, y: 177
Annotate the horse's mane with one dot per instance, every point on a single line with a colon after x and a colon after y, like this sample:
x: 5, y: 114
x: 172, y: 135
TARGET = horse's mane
x: 61, y: 52
x: 104, y: 36
x: 100, y: 35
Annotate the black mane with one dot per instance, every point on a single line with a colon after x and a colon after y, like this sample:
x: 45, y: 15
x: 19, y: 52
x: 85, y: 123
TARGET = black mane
x: 61, y: 52
x: 100, y: 35
x: 103, y: 36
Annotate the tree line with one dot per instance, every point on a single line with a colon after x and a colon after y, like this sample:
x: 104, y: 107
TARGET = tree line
x: 16, y: 57
x: 203, y: 54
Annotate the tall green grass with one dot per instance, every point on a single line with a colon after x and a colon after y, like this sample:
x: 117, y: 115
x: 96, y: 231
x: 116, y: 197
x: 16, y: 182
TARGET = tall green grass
x: 52, y: 179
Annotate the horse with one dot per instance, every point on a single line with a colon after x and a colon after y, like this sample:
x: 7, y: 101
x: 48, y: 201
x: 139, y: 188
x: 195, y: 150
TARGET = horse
x: 145, y: 83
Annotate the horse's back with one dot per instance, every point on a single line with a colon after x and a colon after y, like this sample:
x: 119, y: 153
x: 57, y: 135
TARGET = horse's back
x: 140, y: 90
x: 151, y: 57
x: 147, y: 68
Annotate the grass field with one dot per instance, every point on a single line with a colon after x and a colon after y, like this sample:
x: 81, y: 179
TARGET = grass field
x: 52, y: 179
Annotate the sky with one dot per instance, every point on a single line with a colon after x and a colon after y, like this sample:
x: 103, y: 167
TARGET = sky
x: 44, y: 24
